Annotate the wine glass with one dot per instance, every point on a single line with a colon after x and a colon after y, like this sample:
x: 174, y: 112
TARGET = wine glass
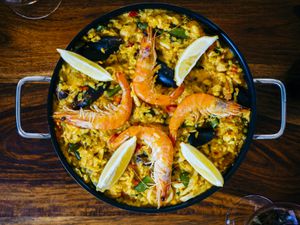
x: 258, y: 210
x: 33, y: 9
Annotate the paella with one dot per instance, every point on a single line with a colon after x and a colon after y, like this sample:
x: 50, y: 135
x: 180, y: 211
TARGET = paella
x: 150, y: 108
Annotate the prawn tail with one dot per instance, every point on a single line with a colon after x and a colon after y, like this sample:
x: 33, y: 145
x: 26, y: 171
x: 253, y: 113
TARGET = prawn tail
x: 177, y: 92
x: 161, y: 194
x: 158, y: 198
x: 116, y: 140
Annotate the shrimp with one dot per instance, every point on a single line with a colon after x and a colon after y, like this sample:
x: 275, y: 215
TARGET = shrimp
x: 112, y: 118
x: 204, y: 104
x: 162, y: 155
x: 144, y: 79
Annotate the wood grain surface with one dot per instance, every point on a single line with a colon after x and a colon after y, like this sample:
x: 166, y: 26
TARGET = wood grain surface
x: 35, y: 188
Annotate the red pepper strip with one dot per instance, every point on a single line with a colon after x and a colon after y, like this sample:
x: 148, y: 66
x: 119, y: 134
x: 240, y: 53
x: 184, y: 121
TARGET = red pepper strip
x: 138, y: 147
x: 133, y: 13
x: 171, y: 108
x: 84, y: 88
x: 234, y: 68
x: 133, y: 166
x: 130, y: 44
x: 135, y: 182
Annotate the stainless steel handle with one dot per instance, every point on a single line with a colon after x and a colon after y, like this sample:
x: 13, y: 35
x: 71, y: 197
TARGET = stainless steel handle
x: 283, y: 109
x: 18, y: 107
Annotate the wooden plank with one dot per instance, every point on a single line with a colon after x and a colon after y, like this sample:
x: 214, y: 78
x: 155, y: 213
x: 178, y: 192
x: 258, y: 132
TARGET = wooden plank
x: 272, y: 41
x: 120, y: 220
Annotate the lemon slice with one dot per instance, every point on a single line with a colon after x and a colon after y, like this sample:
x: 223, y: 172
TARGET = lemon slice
x: 202, y: 164
x: 190, y: 56
x: 116, y: 165
x: 85, y: 66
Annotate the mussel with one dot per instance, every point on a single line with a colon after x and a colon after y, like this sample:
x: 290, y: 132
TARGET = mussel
x: 165, y: 75
x: 101, y: 49
x: 88, y: 96
x: 142, y: 158
x: 62, y: 94
x: 243, y: 97
x: 201, y: 137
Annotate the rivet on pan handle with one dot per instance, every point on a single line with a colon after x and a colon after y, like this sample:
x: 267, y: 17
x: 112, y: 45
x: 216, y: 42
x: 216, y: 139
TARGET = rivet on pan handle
x: 18, y: 107
x: 283, y: 109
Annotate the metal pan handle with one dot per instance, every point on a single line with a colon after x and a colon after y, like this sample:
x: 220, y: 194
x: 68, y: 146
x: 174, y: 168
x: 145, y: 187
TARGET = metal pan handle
x: 18, y: 107
x: 48, y: 79
x: 283, y: 109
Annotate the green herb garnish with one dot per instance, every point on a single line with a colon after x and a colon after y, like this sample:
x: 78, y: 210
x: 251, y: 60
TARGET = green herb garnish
x: 185, y: 178
x: 73, y: 147
x: 100, y: 27
x: 142, y: 26
x: 113, y: 91
x: 218, y: 50
x: 77, y: 155
x: 143, y: 185
x: 214, y: 122
x: 159, y: 31
x: 178, y: 32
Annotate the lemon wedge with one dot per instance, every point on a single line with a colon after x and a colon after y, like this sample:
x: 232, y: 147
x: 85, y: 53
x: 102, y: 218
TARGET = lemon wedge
x: 85, y: 66
x: 202, y: 164
x: 116, y: 165
x: 190, y: 56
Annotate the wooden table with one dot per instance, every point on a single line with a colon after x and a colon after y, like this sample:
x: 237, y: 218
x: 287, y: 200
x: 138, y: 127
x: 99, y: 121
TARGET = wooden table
x: 35, y: 188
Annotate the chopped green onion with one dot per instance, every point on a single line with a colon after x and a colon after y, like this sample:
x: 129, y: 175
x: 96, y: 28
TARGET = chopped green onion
x: 77, y: 155
x: 159, y: 31
x: 178, y: 32
x: 142, y: 26
x: 218, y: 50
x: 100, y: 27
x: 113, y: 91
x: 185, y: 178
x: 143, y: 185
x: 214, y: 122
x: 73, y: 147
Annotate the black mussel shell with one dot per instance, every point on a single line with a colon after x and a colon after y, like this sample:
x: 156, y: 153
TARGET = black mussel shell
x: 165, y: 75
x: 101, y: 49
x: 201, y: 137
x: 62, y: 94
x: 142, y: 158
x: 243, y: 97
x: 88, y: 97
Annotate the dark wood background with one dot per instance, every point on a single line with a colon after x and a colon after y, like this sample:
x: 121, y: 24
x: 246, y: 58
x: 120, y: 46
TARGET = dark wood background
x: 34, y: 187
